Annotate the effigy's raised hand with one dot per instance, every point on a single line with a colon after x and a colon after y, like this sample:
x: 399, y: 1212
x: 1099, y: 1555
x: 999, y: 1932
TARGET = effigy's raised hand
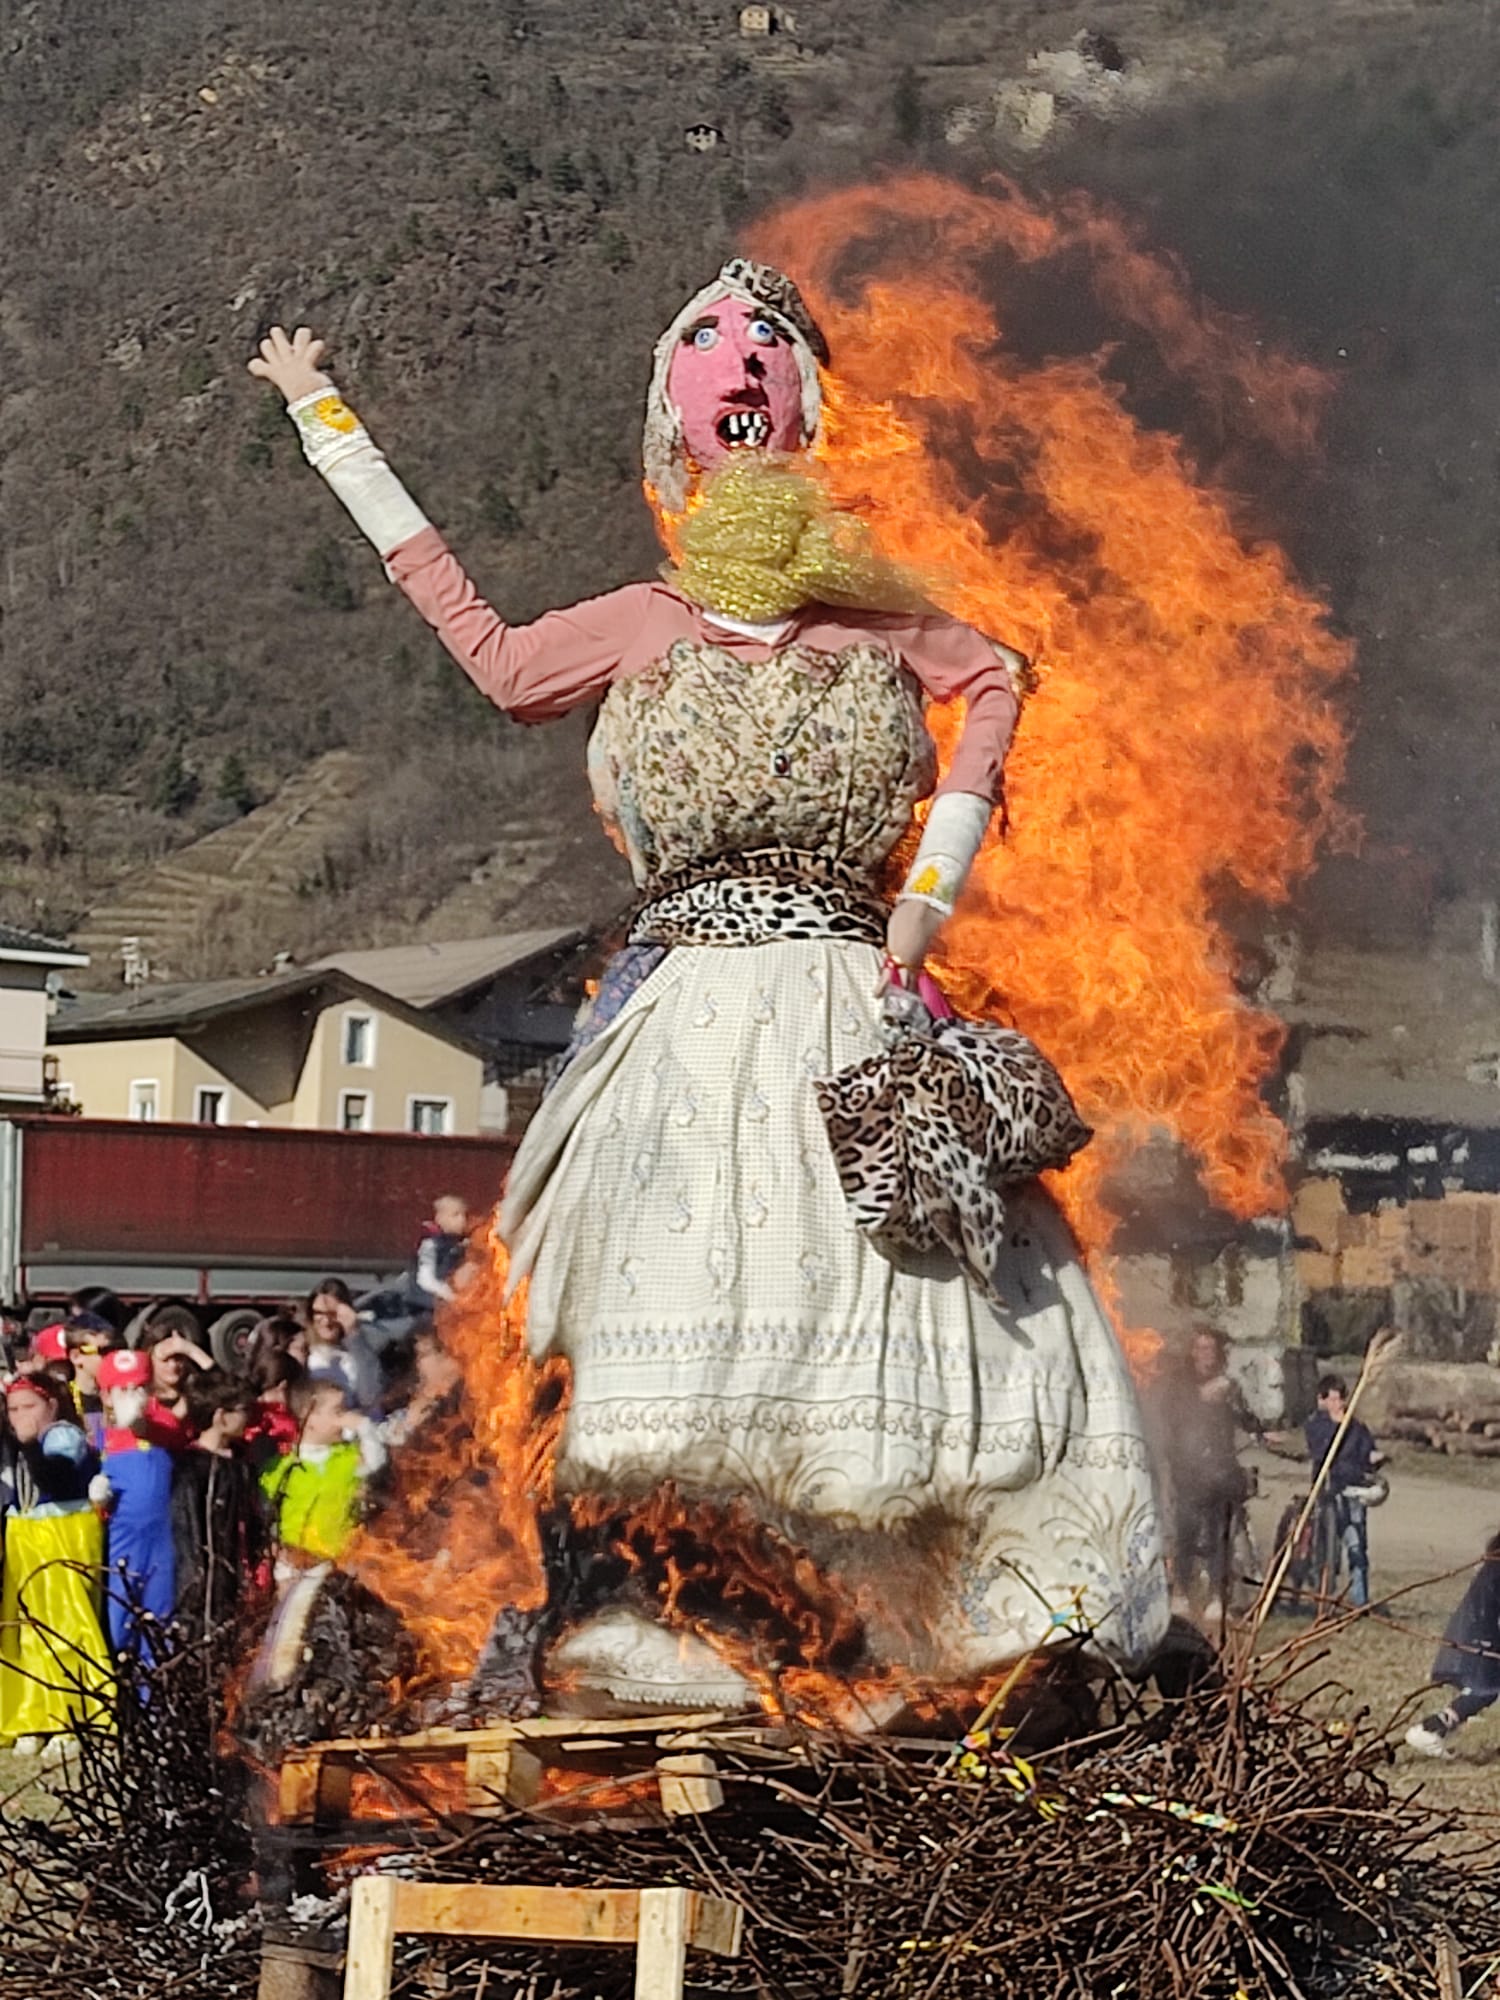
x: 290, y: 362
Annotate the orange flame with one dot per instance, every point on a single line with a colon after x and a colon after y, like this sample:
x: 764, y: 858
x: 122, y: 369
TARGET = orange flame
x: 1183, y: 734
x: 462, y: 1537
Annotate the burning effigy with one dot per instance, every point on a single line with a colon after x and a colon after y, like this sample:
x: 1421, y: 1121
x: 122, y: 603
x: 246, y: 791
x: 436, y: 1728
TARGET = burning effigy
x: 788, y: 1377
x: 779, y: 1218
x: 786, y: 1364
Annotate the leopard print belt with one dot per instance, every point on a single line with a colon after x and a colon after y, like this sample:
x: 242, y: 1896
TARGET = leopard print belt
x: 739, y: 899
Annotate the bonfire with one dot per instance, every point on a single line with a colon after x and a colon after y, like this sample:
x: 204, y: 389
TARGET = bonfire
x: 1058, y: 1830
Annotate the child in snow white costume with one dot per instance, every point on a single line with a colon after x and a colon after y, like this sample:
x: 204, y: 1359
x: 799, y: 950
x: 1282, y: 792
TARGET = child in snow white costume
x: 957, y: 1432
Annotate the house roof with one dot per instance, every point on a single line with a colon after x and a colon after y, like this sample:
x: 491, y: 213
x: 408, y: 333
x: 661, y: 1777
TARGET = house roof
x: 425, y: 975
x: 32, y: 947
x: 1413, y: 1036
x: 183, y: 1009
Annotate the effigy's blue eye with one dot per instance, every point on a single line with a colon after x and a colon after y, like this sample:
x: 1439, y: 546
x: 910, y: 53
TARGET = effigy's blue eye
x: 706, y: 337
x: 763, y: 331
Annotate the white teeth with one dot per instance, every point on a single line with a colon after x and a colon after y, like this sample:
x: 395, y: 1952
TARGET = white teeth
x: 748, y: 427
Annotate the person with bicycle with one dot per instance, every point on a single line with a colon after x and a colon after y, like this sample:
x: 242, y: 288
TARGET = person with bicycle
x: 1352, y: 1487
x: 1207, y: 1413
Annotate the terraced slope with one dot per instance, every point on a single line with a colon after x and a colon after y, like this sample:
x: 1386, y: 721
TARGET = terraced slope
x: 250, y: 874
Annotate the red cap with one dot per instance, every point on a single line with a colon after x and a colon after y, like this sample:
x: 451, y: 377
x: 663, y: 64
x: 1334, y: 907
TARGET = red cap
x: 51, y: 1342
x: 125, y: 1368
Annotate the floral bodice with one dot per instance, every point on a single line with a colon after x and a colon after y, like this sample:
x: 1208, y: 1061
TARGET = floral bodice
x: 705, y: 754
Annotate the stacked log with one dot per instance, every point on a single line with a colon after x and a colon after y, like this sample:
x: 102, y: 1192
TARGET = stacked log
x: 1468, y: 1433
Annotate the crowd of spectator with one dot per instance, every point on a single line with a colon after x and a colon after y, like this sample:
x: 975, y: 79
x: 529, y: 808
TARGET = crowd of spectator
x: 147, y: 1494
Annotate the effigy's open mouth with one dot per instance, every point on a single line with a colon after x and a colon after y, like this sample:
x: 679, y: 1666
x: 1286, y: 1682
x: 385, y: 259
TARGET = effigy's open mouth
x: 743, y: 429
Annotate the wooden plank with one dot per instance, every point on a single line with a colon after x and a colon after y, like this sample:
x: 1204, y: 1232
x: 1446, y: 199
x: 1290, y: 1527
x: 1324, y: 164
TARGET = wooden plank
x: 556, y: 1916
x: 315, y: 1788
x: 716, y: 1925
x: 496, y: 1734
x: 623, y: 1726
x: 297, y: 1789
x: 661, y: 1923
x: 372, y: 1932
x: 661, y: 1955
x: 291, y: 1975
x: 497, y: 1780
x: 752, y: 1736
x: 335, y: 1796
x: 689, y: 1782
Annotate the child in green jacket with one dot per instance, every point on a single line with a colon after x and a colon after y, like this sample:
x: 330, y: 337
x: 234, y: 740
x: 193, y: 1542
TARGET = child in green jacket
x: 315, y: 1492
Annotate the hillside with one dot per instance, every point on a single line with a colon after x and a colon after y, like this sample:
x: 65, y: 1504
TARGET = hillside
x: 490, y: 209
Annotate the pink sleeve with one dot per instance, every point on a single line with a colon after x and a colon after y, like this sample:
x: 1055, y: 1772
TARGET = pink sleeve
x: 950, y: 659
x: 534, y: 672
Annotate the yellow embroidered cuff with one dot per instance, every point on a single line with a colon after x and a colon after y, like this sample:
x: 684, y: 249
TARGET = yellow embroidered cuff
x: 950, y: 840
x: 936, y: 879
x: 337, y: 445
x: 326, y: 427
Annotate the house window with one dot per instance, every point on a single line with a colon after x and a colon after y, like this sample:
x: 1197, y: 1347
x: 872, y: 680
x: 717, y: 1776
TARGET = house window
x: 211, y: 1105
x: 354, y: 1111
x: 432, y: 1116
x: 359, y: 1040
x: 144, y: 1093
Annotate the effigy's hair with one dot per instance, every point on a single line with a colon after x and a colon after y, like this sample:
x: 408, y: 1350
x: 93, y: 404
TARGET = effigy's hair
x: 771, y: 292
x: 762, y: 537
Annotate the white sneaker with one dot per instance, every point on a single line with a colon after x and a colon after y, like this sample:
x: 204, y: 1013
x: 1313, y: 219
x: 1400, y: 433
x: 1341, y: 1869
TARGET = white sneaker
x: 1429, y: 1741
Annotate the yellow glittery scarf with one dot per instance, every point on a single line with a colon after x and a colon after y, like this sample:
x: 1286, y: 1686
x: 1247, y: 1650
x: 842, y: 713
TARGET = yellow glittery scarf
x: 761, y: 538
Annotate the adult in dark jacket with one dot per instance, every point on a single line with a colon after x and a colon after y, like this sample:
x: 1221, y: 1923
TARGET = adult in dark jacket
x: 1351, y: 1479
x: 220, y: 1537
x: 1468, y: 1661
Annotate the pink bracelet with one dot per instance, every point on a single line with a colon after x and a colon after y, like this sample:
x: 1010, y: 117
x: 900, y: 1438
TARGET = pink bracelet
x: 927, y: 990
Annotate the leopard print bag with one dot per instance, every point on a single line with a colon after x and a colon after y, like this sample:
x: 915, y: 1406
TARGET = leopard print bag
x: 928, y: 1133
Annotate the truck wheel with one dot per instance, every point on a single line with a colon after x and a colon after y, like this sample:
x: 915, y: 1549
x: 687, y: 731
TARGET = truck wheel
x: 229, y: 1337
x: 136, y: 1326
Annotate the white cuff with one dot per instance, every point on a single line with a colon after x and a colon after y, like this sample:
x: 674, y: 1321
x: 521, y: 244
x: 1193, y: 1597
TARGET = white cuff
x: 337, y: 445
x: 950, y: 840
x: 372, y: 1453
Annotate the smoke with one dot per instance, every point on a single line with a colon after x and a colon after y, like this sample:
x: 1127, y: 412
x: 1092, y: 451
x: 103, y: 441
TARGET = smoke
x: 1349, y: 211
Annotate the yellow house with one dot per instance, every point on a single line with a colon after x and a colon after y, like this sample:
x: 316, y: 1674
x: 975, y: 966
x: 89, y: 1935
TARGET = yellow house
x: 312, y: 1048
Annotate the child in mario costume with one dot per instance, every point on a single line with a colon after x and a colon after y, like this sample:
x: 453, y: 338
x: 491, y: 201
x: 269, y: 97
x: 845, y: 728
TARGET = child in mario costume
x: 142, y: 1589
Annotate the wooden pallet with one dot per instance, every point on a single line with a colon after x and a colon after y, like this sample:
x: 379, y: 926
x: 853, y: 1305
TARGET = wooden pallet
x: 662, y: 1924
x: 639, y: 1762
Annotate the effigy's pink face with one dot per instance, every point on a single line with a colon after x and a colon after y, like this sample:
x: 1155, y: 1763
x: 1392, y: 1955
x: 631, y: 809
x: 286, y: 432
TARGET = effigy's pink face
x: 734, y: 382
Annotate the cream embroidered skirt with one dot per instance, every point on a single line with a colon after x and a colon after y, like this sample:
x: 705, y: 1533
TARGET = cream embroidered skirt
x: 676, y: 1207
